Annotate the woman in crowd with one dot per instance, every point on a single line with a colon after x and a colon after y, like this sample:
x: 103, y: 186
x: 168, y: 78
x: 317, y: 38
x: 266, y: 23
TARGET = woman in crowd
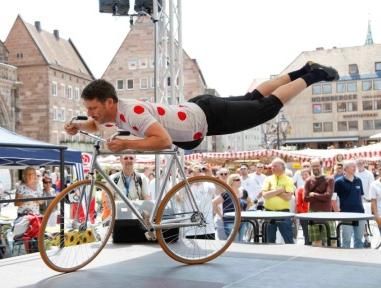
x: 234, y: 181
x: 28, y: 189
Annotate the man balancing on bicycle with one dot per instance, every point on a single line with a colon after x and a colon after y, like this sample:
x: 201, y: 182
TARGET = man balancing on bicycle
x: 186, y: 125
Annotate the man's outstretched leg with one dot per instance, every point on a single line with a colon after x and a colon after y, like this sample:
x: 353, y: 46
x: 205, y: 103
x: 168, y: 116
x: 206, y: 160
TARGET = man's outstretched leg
x: 318, y: 73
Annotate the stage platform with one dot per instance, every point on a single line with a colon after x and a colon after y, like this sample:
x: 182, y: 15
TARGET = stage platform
x: 244, y: 265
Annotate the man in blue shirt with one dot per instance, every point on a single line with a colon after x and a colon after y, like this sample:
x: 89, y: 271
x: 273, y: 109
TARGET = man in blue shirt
x: 350, y: 191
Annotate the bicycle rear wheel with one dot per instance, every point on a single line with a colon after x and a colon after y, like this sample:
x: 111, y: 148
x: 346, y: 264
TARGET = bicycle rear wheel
x: 203, y: 235
x: 76, y: 226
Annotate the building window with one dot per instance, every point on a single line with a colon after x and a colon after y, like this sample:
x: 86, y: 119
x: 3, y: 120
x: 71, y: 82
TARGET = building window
x: 366, y: 85
x: 317, y: 127
x: 342, y: 126
x: 76, y: 94
x: 316, y: 108
x: 367, y: 105
x: 316, y: 89
x: 342, y: 107
x: 377, y: 66
x: 152, y: 80
x: 119, y: 84
x: 63, y: 90
x: 55, y: 113
x: 54, y: 88
x: 152, y: 63
x: 377, y: 104
x: 377, y: 84
x: 327, y: 88
x: 143, y: 63
x: 351, y: 106
x: 130, y: 84
x: 143, y: 83
x: 327, y: 126
x: 368, y: 124
x: 377, y: 124
x: 353, y: 69
x: 69, y: 92
x: 327, y: 107
x: 353, y: 125
x: 132, y: 64
x: 169, y: 81
x: 352, y: 87
x: 340, y: 87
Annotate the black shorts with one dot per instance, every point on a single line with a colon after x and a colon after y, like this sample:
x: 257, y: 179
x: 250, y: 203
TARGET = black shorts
x: 234, y: 114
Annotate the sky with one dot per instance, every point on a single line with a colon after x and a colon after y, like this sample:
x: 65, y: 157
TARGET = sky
x: 234, y: 42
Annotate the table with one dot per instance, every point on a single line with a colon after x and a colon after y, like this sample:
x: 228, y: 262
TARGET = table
x: 252, y: 217
x: 321, y: 218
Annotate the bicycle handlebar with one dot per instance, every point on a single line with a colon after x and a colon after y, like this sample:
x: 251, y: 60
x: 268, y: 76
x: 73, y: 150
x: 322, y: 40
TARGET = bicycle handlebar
x: 95, y: 137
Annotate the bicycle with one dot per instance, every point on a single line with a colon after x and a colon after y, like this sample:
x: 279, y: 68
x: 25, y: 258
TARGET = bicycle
x: 77, y: 226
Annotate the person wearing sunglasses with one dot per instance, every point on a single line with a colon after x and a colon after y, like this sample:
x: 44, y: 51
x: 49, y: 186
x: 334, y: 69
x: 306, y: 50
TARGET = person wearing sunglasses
x: 47, y: 191
x: 129, y: 181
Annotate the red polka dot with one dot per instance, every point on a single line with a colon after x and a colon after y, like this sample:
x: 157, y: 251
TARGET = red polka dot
x: 122, y: 118
x: 182, y: 116
x: 138, y: 109
x: 161, y: 111
x: 135, y: 128
x: 197, y: 136
x: 109, y: 125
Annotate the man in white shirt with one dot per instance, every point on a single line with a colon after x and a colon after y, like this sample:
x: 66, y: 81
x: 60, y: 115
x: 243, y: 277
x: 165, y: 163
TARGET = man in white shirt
x: 367, y: 178
x: 375, y: 196
x: 259, y: 179
x: 247, y: 182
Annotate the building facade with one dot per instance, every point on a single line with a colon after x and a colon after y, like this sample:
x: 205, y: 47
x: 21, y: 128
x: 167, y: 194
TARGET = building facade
x: 8, y: 90
x: 342, y: 113
x: 53, y: 74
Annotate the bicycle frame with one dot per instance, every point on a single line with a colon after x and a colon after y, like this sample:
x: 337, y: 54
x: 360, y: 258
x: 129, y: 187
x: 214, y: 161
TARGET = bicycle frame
x: 150, y: 226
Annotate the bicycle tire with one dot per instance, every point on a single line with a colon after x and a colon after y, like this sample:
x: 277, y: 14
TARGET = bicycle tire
x: 96, y: 231
x: 161, y: 212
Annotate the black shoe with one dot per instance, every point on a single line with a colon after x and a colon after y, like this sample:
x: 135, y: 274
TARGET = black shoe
x: 367, y: 244
x: 331, y: 73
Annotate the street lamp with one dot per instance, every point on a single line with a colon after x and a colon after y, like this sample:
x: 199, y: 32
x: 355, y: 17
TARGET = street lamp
x: 282, y: 127
x: 272, y: 130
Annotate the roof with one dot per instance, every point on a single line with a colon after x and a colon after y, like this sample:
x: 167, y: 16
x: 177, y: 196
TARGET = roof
x: 364, y: 56
x: 2, y: 45
x: 58, y: 52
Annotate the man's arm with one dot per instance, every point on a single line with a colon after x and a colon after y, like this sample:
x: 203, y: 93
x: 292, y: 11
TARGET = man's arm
x: 88, y: 125
x: 156, y: 138
x: 272, y: 193
x: 327, y: 195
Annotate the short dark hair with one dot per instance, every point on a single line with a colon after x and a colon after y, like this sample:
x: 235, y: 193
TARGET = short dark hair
x: 99, y: 89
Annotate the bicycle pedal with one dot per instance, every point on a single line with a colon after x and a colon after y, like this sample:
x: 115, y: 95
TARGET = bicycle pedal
x: 151, y: 236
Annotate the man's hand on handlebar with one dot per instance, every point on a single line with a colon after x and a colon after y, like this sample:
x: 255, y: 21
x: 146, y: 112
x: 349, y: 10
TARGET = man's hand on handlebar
x: 116, y: 144
x: 71, y: 128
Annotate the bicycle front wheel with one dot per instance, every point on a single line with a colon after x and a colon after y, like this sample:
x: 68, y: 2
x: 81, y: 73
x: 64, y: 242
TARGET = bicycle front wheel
x: 76, y: 226
x: 195, y: 227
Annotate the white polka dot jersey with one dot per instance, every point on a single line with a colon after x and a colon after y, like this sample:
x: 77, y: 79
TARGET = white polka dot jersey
x: 184, y: 123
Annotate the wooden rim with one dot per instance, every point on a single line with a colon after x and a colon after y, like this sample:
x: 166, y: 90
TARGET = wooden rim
x: 61, y: 195
x: 160, y: 213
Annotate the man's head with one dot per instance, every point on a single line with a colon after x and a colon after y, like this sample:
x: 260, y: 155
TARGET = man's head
x: 278, y: 166
x: 244, y: 169
x: 316, y: 166
x: 100, y: 100
x: 127, y: 161
x: 253, y: 168
x: 306, y: 165
x: 306, y: 173
x: 339, y: 169
x: 47, y: 183
x: 360, y: 165
x: 223, y: 174
x: 259, y: 168
x: 349, y: 167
